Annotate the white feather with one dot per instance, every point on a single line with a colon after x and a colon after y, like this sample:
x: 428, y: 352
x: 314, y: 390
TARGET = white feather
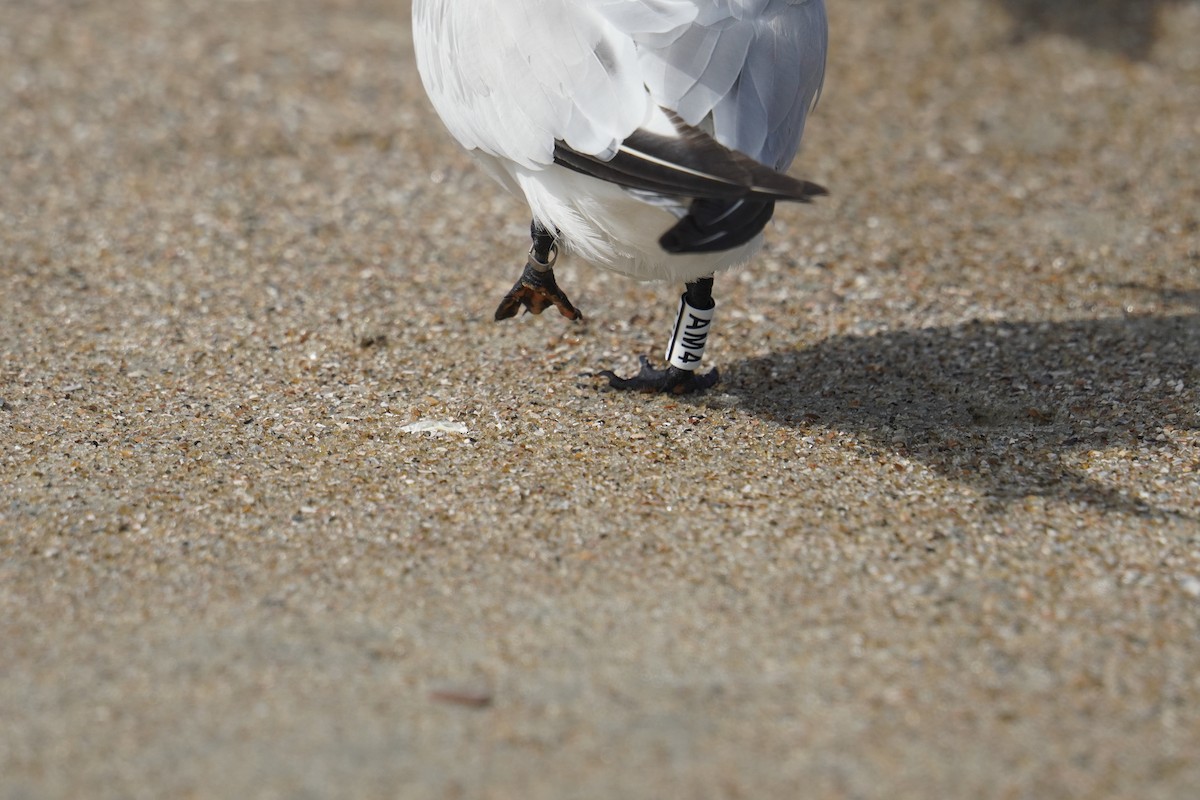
x: 509, y: 78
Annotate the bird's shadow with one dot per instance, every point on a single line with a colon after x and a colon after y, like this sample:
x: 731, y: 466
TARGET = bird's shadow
x: 1129, y: 27
x: 1013, y: 408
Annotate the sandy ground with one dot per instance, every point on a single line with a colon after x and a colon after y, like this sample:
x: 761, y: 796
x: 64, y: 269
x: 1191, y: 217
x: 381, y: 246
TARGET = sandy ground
x: 936, y: 534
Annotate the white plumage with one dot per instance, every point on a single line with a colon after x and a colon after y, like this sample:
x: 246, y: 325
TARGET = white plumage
x: 511, y: 79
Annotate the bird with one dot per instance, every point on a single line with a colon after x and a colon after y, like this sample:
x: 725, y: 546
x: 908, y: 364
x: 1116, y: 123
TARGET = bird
x: 649, y: 137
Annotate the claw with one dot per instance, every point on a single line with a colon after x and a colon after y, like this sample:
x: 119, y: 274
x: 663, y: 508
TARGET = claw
x: 536, y: 290
x: 671, y: 380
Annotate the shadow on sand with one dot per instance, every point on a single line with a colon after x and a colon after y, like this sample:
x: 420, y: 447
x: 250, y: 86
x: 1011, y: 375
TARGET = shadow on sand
x: 1007, y: 406
x: 1129, y: 27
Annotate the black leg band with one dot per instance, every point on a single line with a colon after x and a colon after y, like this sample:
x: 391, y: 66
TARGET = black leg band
x: 698, y: 293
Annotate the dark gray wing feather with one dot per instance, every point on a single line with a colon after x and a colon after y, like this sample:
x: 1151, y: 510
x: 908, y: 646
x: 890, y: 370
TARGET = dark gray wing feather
x: 689, y: 165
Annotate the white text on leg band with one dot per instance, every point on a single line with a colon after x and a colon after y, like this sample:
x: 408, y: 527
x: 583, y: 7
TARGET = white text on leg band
x: 689, y: 336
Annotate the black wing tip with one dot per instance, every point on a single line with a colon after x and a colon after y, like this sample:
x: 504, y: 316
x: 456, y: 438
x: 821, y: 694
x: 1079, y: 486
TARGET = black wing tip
x: 693, y: 165
x: 767, y: 184
x: 812, y: 190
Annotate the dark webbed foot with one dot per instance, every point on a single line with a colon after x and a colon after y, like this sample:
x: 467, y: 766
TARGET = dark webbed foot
x: 671, y: 380
x: 684, y: 352
x: 536, y: 290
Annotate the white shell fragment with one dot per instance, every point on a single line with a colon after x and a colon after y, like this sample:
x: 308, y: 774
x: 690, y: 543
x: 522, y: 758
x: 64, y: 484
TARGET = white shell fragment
x: 435, y: 426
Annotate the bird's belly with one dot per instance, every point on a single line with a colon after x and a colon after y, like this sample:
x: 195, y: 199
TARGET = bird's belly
x: 610, y: 227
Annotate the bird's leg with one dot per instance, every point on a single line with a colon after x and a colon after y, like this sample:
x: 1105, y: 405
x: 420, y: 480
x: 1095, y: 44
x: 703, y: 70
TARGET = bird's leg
x: 685, y: 350
x: 536, y: 289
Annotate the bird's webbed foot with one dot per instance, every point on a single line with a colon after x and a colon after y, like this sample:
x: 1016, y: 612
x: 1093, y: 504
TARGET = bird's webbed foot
x: 537, y: 289
x: 689, y: 336
x: 671, y: 380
